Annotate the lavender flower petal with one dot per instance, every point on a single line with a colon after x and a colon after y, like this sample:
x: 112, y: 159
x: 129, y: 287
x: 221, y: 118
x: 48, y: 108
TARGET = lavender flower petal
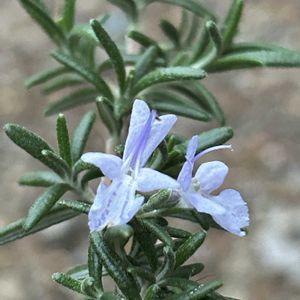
x: 159, y: 130
x: 203, y: 204
x: 192, y: 147
x: 211, y: 175
x: 185, y: 175
x: 150, y: 180
x: 123, y: 203
x: 236, y: 215
x: 113, y: 205
x: 137, y: 152
x: 98, y: 216
x: 109, y: 164
x: 139, y: 116
x: 131, y: 209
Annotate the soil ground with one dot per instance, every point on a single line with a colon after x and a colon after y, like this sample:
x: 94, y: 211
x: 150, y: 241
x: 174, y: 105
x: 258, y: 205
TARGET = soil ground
x: 261, y: 105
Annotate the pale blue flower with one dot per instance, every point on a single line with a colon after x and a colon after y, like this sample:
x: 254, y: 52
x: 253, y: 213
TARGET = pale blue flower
x: 228, y: 209
x: 117, y: 204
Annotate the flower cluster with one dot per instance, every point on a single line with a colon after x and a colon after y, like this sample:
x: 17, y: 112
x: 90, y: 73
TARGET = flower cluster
x: 117, y: 203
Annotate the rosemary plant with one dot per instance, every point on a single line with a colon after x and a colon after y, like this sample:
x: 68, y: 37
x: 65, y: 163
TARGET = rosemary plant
x: 146, y: 173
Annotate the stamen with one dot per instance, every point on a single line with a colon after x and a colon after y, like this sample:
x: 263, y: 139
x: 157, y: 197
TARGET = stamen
x: 211, y: 149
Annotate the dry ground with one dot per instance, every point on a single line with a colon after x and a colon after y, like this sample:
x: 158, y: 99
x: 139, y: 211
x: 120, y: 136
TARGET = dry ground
x: 262, y: 106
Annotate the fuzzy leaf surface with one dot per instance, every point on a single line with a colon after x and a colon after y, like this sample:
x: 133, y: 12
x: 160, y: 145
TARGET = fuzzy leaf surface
x: 115, y: 267
x: 112, y: 51
x: 15, y: 230
x: 81, y: 135
x: 28, y: 141
x: 162, y: 75
x: 43, y: 205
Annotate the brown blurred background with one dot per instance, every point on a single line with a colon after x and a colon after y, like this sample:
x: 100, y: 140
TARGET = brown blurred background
x: 263, y: 106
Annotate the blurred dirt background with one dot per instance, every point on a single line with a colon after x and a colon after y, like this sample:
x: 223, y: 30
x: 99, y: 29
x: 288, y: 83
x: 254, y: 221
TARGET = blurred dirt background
x: 263, y: 106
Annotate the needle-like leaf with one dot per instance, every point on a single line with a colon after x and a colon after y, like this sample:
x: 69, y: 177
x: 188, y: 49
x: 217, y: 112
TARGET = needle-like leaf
x: 112, y: 51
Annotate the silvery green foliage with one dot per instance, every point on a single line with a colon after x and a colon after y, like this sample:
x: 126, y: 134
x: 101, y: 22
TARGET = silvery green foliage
x: 154, y: 169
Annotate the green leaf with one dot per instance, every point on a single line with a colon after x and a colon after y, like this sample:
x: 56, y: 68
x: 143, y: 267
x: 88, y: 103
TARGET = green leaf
x: 68, y: 14
x: 75, y: 205
x: 168, y: 263
x: 171, y: 103
x: 28, y: 141
x: 201, y: 43
x: 215, y: 36
x: 177, y: 211
x: 204, y: 220
x: 111, y: 296
x: 128, y: 6
x: 79, y: 272
x: 178, y: 233
x: 145, y: 62
x: 204, y: 96
x: 152, y: 292
x: 190, y: 5
x: 118, y: 236
x: 15, y: 230
x: 187, y: 271
x: 252, y: 46
x: 147, y: 245
x: 198, y: 292
x: 106, y: 114
x: 63, y: 139
x: 157, y: 200
x: 41, y: 178
x: 42, y: 5
x: 275, y: 57
x: 112, y: 51
x: 43, y: 205
x: 159, y: 232
x: 214, y: 137
x: 79, y: 97
x: 184, y: 21
x: 159, y: 157
x: 44, y: 20
x: 44, y: 76
x: 130, y: 60
x: 56, y: 163
x: 162, y: 75
x: 57, y: 84
x: 95, y: 267
x: 189, y: 247
x: 81, y: 135
x: 114, y: 266
x: 85, y: 72
x: 170, y: 31
x: 180, y: 283
x: 214, y: 49
x: 207, y: 139
x: 68, y: 282
x: 80, y: 166
x: 192, y: 31
x: 90, y: 175
x: 232, y: 21
x: 83, y: 32
x: 145, y: 41
x: 88, y: 288
x: 142, y: 272
x: 87, y: 49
